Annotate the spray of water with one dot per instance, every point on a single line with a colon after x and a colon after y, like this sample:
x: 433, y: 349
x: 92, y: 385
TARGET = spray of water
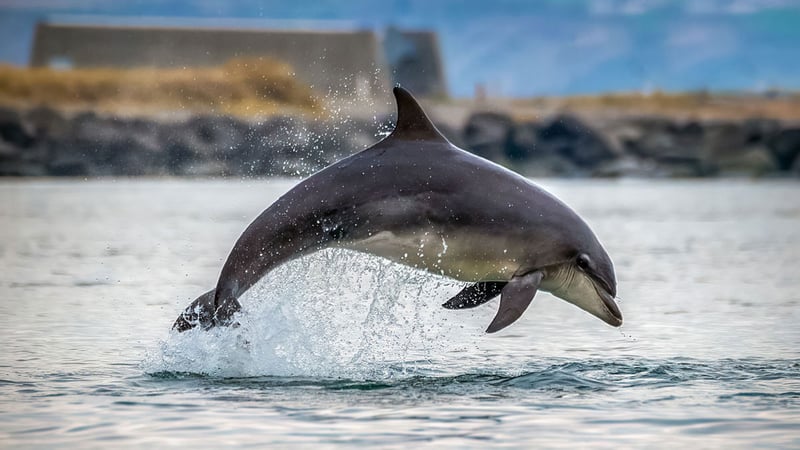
x: 334, y: 314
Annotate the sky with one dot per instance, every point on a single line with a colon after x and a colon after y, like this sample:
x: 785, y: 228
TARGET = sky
x: 514, y: 47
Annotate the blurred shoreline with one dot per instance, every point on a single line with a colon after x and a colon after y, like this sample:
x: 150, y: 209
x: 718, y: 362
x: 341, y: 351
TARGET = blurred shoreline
x: 562, y: 143
x: 251, y: 118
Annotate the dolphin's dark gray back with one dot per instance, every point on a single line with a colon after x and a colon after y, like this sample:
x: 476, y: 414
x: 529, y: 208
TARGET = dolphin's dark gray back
x: 411, y: 180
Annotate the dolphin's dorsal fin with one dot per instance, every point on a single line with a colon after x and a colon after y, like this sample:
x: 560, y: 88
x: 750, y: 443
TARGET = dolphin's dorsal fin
x: 412, y: 122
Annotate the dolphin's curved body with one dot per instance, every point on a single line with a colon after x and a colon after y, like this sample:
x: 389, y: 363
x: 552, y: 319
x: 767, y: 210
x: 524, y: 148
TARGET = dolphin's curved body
x: 418, y: 200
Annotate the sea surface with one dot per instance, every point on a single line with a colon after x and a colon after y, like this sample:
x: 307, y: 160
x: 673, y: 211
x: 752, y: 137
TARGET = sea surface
x: 342, y: 350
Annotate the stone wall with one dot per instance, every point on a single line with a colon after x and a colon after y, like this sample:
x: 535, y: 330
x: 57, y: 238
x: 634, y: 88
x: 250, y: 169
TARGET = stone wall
x: 565, y: 145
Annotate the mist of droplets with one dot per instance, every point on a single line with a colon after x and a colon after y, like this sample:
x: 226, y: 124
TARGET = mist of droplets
x: 334, y: 314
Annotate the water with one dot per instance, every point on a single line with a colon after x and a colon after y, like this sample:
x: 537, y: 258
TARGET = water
x: 340, y: 349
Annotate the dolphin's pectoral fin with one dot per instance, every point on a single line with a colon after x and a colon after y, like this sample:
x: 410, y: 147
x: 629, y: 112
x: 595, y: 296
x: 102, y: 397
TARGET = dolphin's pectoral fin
x: 199, y: 313
x: 514, y: 300
x: 475, y: 295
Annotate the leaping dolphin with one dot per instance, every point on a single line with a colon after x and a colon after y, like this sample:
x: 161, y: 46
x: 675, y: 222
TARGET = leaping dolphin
x: 418, y: 200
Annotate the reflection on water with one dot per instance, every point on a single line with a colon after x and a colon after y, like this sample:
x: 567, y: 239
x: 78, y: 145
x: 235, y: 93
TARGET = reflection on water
x: 346, y: 349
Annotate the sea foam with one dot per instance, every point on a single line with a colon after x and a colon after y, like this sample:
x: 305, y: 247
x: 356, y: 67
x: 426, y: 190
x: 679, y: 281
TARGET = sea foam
x: 336, y: 314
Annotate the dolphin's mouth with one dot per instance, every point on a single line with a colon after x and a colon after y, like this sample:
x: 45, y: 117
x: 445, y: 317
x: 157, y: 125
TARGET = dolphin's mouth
x: 614, y: 315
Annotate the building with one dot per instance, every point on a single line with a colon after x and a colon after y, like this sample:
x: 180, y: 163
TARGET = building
x: 416, y: 62
x: 342, y: 63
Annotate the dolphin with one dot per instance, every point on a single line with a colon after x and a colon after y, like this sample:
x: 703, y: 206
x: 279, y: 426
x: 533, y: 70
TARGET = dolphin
x: 418, y: 200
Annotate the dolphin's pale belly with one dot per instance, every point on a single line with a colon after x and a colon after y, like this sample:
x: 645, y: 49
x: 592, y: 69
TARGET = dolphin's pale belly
x: 466, y: 257
x: 417, y: 200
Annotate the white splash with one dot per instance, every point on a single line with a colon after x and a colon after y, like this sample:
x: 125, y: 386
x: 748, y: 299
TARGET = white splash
x: 336, y: 314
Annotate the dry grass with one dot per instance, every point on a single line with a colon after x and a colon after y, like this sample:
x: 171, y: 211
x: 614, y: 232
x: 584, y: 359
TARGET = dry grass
x: 242, y: 87
x: 698, y: 105
x: 261, y: 86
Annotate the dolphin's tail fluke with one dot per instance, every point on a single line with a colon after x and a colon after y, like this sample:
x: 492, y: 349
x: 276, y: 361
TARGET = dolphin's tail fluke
x: 203, y: 313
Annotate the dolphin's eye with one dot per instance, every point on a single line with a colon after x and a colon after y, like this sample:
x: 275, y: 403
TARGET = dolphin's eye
x: 583, y: 262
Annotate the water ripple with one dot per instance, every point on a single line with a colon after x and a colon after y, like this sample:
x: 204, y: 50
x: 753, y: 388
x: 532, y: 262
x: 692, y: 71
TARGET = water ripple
x: 566, y: 375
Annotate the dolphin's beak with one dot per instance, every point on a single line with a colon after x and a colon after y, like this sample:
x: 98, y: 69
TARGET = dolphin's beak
x: 612, y: 315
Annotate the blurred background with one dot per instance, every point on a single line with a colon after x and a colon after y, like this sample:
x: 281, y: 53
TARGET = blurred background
x: 577, y: 88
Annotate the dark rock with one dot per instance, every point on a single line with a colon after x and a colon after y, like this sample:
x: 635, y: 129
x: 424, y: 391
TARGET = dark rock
x: 293, y: 147
x: 795, y: 170
x: 569, y: 137
x: 178, y: 157
x: 204, y: 169
x: 274, y: 147
x: 216, y: 136
x: 682, y: 167
x: 548, y: 166
x: 332, y: 141
x: 21, y: 168
x: 627, y: 166
x: 759, y: 130
x: 662, y: 139
x: 47, y: 123
x: 486, y: 134
x: 13, y: 129
x: 721, y: 137
x: 733, y: 148
x: 112, y: 145
x: 8, y: 151
x: 624, y: 136
x: 202, y: 140
x: 522, y: 142
x: 750, y: 161
x: 69, y: 168
x: 785, y: 146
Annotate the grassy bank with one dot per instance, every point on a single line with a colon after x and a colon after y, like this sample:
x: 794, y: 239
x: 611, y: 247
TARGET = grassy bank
x: 242, y: 87
x: 699, y: 105
x: 255, y: 87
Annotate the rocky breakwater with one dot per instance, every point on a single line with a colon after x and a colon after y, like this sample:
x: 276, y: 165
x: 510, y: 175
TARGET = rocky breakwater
x: 42, y: 142
x: 566, y: 145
